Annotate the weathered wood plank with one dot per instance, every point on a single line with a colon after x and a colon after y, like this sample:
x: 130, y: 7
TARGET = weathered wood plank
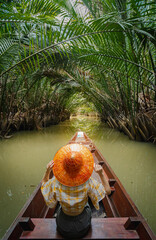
x: 109, y: 207
x: 101, y: 228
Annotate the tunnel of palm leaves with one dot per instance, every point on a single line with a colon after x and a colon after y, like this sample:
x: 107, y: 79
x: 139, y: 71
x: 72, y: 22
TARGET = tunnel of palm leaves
x: 49, y: 96
x: 58, y: 59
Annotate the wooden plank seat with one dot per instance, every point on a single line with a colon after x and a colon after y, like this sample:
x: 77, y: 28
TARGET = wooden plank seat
x: 101, y: 228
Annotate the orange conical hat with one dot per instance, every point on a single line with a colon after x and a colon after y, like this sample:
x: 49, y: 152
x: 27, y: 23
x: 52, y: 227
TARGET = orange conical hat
x: 73, y: 165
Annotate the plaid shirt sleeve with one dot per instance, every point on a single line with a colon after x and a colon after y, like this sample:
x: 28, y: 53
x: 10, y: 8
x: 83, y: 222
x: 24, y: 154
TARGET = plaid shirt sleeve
x: 96, y: 192
x: 48, y: 192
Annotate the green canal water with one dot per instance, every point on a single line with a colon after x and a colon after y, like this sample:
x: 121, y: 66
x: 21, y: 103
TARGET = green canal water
x: 23, y: 159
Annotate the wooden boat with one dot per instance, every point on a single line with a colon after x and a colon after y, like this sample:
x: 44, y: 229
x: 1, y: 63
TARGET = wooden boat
x: 118, y: 217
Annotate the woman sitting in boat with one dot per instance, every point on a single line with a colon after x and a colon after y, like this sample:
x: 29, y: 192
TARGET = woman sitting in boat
x: 71, y: 186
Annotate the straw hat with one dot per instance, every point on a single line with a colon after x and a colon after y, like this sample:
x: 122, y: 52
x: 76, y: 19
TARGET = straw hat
x: 73, y: 165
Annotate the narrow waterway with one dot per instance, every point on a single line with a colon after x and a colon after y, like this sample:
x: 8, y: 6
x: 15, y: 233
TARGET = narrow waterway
x: 23, y: 159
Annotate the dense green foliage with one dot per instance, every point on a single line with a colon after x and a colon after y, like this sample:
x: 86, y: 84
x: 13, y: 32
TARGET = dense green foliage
x: 50, y: 51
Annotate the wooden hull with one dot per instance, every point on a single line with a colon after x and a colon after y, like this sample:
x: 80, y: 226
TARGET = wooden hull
x: 124, y: 221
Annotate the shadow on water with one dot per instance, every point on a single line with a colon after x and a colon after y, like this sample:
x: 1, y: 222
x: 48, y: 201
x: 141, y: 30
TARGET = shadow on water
x: 23, y: 159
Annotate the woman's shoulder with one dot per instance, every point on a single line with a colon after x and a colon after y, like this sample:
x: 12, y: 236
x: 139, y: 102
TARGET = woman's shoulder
x: 51, y: 181
x: 93, y: 182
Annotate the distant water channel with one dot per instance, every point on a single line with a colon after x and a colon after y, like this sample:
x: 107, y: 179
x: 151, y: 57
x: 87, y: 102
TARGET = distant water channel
x: 23, y: 159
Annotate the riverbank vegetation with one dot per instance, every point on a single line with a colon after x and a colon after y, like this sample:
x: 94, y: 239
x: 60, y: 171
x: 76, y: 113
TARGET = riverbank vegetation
x: 103, y: 51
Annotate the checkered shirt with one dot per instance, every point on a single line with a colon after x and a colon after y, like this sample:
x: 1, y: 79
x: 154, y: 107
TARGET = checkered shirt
x: 72, y: 199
